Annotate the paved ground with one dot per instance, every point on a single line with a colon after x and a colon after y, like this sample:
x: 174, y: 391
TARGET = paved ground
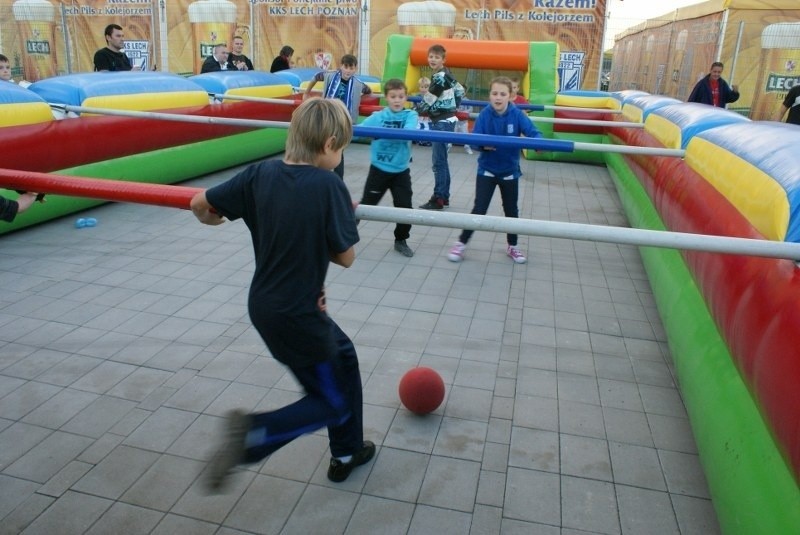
x: 122, y: 345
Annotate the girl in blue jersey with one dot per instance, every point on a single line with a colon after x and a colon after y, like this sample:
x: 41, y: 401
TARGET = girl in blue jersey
x: 498, y: 166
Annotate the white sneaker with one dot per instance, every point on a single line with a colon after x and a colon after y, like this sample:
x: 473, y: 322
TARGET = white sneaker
x: 468, y: 149
x: 515, y: 254
x: 456, y: 253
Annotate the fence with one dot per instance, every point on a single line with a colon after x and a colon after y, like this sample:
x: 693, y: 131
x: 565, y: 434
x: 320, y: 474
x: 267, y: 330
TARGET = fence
x: 761, y: 57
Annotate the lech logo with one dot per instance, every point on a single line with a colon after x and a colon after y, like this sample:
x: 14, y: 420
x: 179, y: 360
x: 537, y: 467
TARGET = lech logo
x: 570, y: 70
x: 780, y: 83
x: 37, y: 47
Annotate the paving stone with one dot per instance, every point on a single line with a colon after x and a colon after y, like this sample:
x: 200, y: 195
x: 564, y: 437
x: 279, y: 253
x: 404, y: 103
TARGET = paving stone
x: 126, y: 346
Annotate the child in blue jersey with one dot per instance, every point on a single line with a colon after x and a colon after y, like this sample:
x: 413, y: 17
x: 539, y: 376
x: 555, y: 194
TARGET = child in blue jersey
x: 301, y: 218
x: 389, y: 160
x: 498, y: 167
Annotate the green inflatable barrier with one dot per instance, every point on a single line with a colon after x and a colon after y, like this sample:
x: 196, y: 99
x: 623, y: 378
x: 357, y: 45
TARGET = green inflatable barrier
x: 751, y: 486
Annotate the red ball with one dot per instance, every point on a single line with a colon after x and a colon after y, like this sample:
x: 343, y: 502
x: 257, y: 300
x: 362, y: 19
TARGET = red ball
x: 421, y: 390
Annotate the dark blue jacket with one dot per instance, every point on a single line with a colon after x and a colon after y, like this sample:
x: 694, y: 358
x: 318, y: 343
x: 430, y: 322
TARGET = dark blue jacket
x: 702, y: 92
x: 503, y: 160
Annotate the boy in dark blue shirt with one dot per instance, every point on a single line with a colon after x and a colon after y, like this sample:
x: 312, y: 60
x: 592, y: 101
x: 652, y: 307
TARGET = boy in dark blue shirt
x: 301, y: 218
x: 498, y: 167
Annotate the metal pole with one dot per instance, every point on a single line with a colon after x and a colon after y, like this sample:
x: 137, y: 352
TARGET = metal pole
x: 575, y: 108
x: 203, y: 119
x: 363, y: 37
x: 151, y: 54
x: 252, y: 39
x: 475, y: 140
x: 530, y: 107
x: 736, y: 52
x: 583, y: 232
x: 606, y: 17
x: 180, y: 197
x: 625, y: 149
x: 163, y: 35
x: 721, y: 40
x: 67, y: 37
x: 527, y: 107
x: 581, y: 122
x: 265, y: 100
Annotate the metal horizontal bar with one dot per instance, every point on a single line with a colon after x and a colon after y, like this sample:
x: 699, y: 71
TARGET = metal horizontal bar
x: 475, y: 140
x: 587, y: 122
x: 247, y: 98
x: 583, y: 232
x: 179, y: 197
x: 530, y: 107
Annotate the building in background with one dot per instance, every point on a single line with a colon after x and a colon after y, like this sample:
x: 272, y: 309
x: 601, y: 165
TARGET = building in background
x: 759, y: 43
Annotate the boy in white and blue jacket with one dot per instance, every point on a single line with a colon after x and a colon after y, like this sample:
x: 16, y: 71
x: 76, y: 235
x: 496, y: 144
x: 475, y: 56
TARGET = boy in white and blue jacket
x: 498, y: 166
x: 389, y: 159
x: 439, y: 103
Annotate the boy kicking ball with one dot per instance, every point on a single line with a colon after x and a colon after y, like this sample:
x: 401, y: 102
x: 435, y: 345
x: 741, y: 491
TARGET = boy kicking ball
x: 301, y: 218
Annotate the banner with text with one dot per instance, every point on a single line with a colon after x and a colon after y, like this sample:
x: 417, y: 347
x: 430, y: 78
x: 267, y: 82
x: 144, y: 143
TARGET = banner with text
x: 320, y: 31
x: 576, y: 25
x: 50, y: 38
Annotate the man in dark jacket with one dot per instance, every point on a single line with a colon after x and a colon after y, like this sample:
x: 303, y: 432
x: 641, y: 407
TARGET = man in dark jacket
x: 218, y: 61
x: 284, y: 60
x: 713, y: 90
x: 236, y: 58
x: 111, y: 57
x: 791, y: 104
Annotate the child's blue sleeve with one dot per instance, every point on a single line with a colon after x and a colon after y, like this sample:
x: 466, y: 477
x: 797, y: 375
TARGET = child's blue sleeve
x: 412, y: 120
x: 372, y: 120
x: 479, y: 128
x: 527, y: 127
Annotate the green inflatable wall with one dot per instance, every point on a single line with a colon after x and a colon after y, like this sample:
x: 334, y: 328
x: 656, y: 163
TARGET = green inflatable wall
x: 751, y: 486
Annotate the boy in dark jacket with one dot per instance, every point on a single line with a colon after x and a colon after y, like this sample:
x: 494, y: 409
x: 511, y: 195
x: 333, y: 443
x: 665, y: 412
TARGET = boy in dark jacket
x: 713, y: 90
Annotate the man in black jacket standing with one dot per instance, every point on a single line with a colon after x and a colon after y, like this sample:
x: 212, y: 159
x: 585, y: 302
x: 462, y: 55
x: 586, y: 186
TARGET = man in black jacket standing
x: 713, y: 90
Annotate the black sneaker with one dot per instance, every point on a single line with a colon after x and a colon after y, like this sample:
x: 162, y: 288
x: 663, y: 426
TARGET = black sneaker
x: 402, y: 247
x: 433, y: 204
x: 339, y: 471
x: 230, y: 452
